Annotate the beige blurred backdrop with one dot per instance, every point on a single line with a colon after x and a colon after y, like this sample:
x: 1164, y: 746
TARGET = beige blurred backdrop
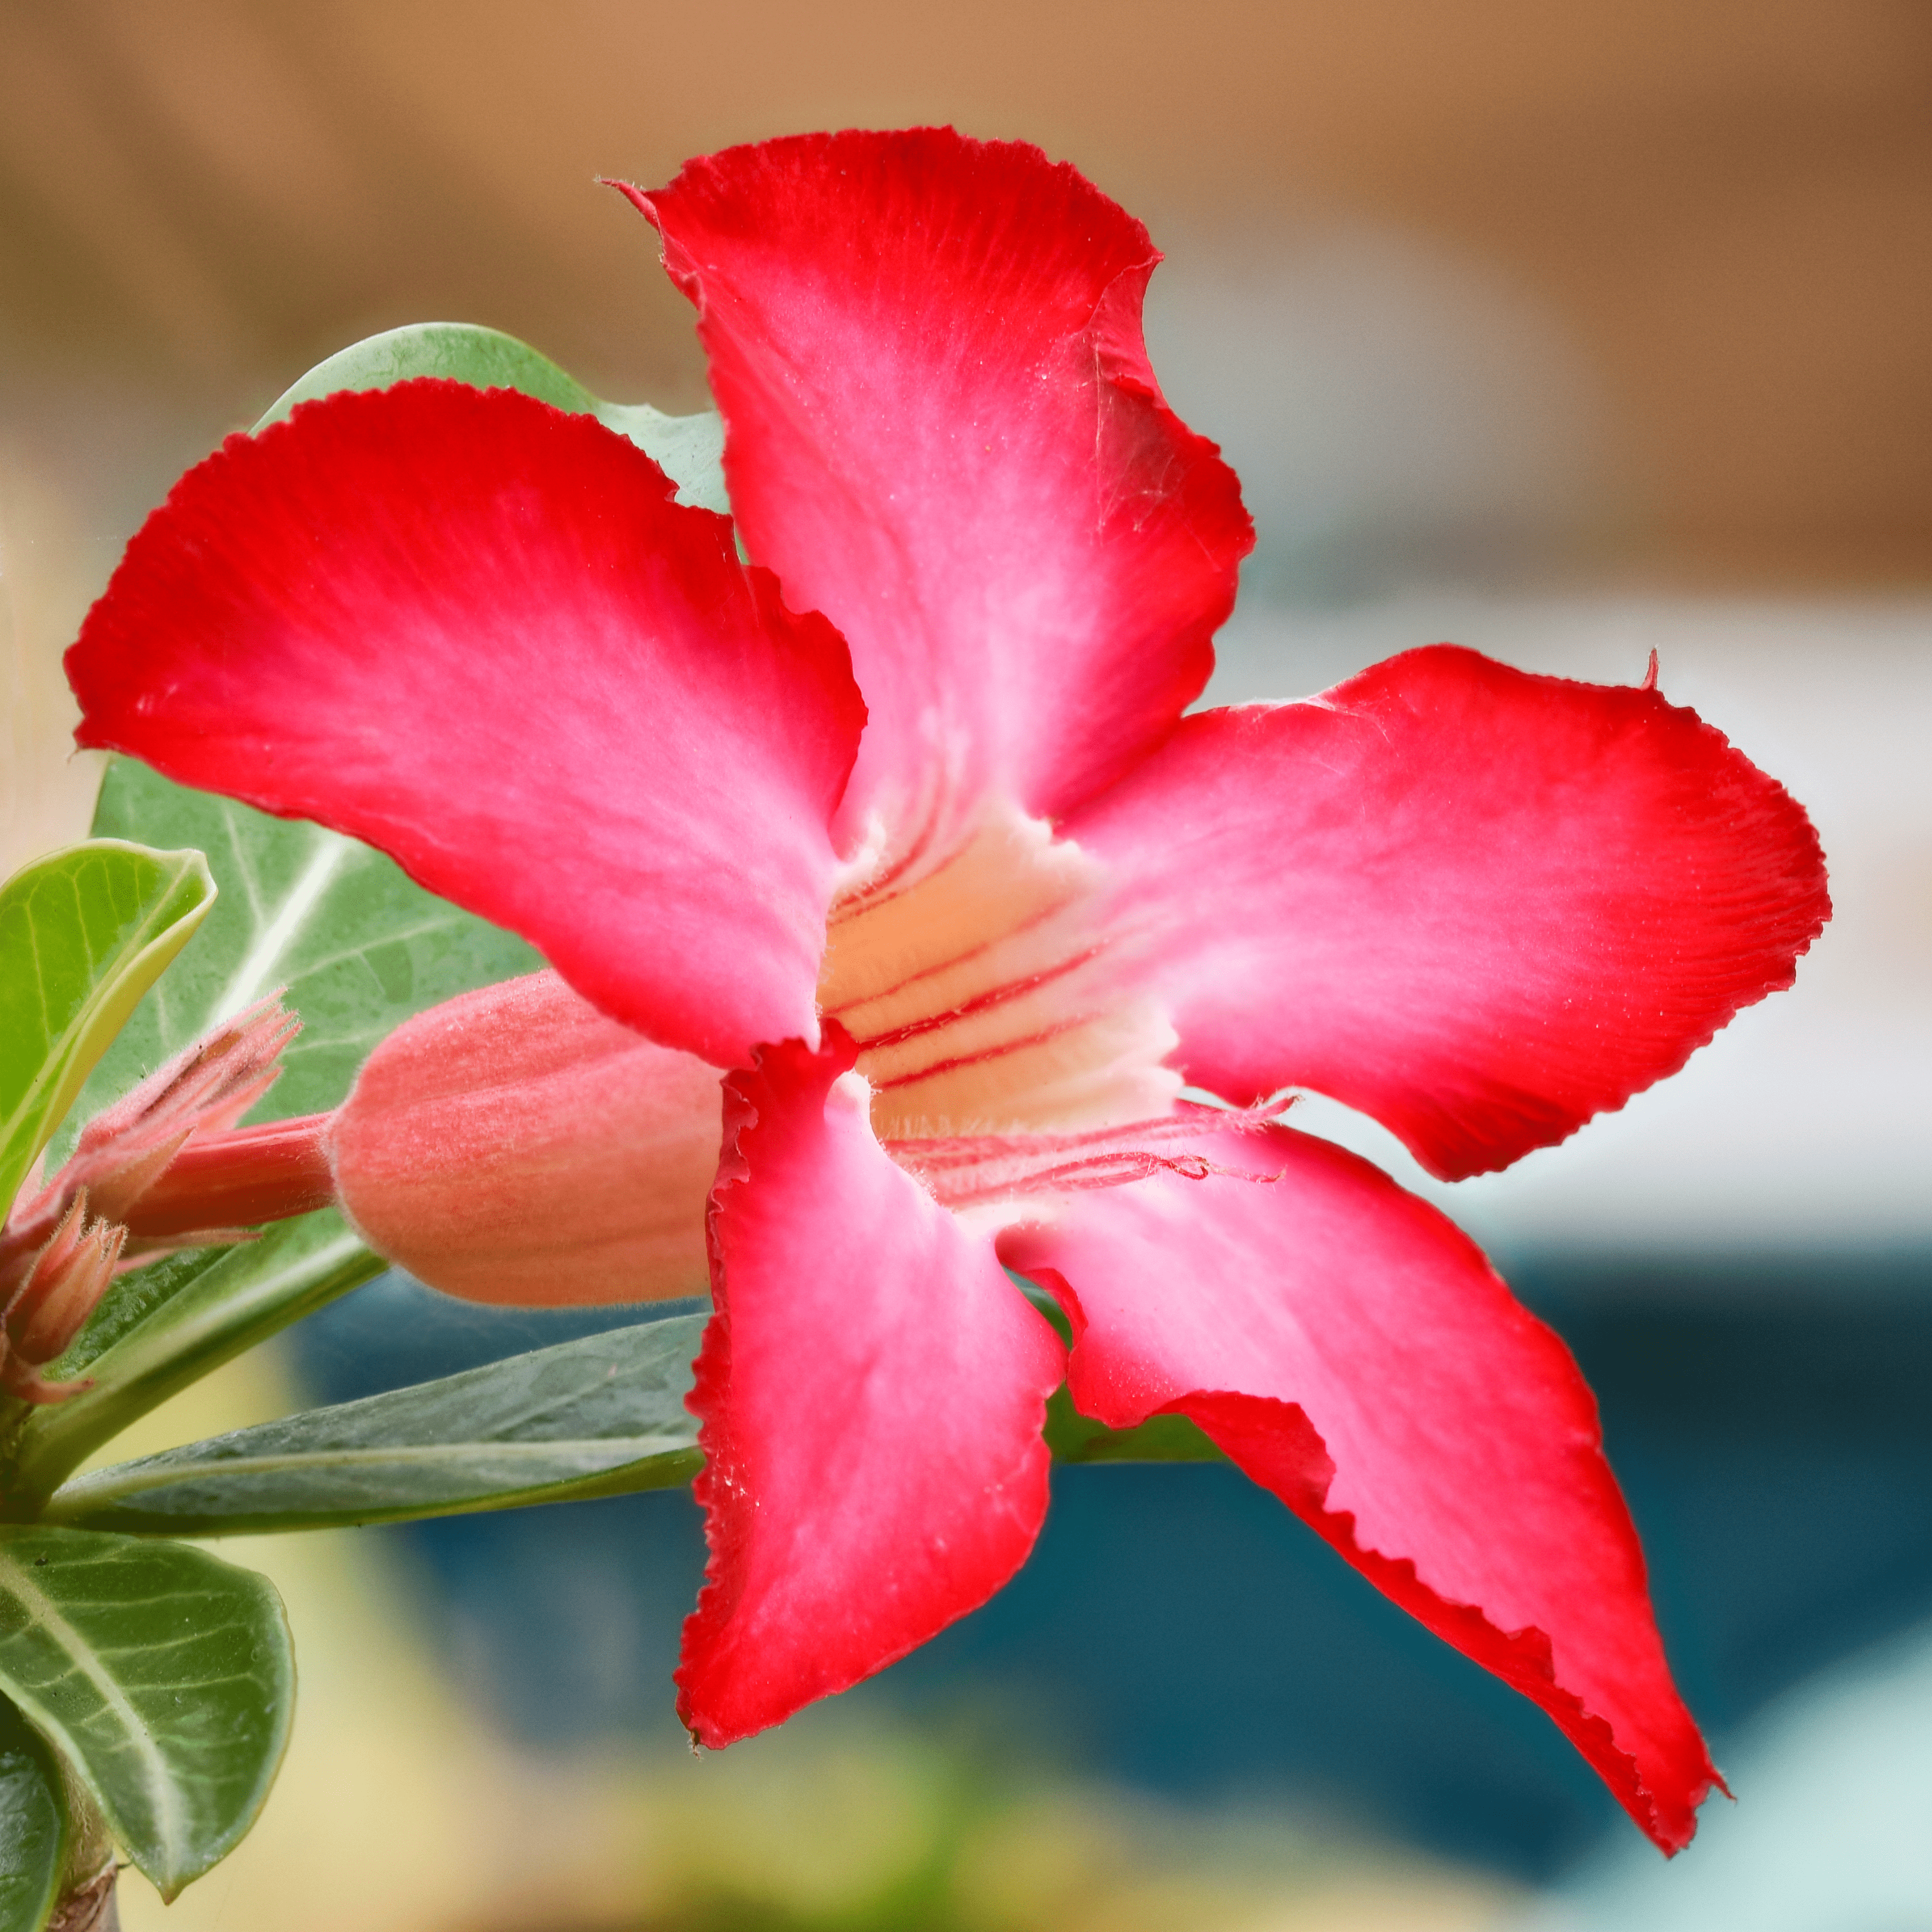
x: 1722, y: 208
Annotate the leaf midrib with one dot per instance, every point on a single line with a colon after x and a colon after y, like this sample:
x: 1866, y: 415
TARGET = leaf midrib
x: 273, y: 940
x: 93, y: 1491
x: 41, y: 1609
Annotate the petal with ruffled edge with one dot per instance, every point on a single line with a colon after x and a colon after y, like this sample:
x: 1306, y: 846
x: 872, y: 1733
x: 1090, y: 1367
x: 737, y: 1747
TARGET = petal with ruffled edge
x: 513, y: 1145
x: 1353, y: 1352
x: 942, y: 431
x: 1481, y: 905
x: 872, y: 1388
x: 479, y: 633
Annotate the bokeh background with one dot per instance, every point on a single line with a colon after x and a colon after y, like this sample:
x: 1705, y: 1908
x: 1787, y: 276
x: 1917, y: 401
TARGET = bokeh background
x: 1566, y: 332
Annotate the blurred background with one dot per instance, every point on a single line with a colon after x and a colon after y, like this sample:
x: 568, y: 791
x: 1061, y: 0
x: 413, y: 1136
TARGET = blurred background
x: 1567, y: 333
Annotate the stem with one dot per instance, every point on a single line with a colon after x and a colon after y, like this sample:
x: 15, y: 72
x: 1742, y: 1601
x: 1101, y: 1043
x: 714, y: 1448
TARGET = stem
x: 88, y: 1901
x: 92, y: 1905
x: 239, y: 1179
x: 247, y: 1295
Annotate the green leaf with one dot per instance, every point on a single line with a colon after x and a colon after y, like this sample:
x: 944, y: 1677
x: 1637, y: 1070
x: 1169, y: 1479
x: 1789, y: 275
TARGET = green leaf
x: 357, y: 944
x: 163, y: 1675
x: 158, y: 1330
x: 1075, y: 1437
x: 602, y: 1416
x: 83, y: 934
x: 690, y: 450
x: 34, y: 1830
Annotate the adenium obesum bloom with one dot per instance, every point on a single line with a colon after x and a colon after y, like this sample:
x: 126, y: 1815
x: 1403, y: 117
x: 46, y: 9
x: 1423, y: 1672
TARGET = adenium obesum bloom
x: 891, y: 862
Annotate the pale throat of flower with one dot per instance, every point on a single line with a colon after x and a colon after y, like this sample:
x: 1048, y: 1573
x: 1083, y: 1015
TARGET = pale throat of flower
x: 1003, y: 1048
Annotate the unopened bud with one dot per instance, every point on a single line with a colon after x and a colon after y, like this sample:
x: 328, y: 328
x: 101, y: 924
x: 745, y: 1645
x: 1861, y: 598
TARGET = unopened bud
x: 203, y: 1091
x: 64, y: 1283
x: 164, y: 1168
x: 514, y: 1145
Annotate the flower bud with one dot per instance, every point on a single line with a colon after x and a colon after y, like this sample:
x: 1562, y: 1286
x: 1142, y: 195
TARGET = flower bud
x: 162, y: 1168
x: 65, y: 1280
x: 203, y: 1091
x: 513, y: 1145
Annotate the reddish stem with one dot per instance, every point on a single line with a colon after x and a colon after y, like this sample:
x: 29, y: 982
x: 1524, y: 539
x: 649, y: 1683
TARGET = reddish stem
x: 239, y: 1179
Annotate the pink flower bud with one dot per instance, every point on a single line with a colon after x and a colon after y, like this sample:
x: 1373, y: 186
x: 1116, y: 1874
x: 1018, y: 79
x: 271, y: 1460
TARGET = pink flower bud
x: 203, y: 1091
x: 513, y: 1145
x: 162, y: 1168
x: 219, y: 1182
x: 63, y: 1283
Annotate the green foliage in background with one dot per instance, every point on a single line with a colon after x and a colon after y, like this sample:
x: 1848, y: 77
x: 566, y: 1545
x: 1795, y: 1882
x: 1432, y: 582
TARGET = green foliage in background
x: 36, y: 1830
x: 163, y: 1674
x: 602, y: 1416
x: 83, y: 934
x: 356, y: 945
x: 690, y: 450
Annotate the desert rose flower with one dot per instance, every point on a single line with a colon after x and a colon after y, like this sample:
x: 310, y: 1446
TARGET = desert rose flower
x: 901, y: 829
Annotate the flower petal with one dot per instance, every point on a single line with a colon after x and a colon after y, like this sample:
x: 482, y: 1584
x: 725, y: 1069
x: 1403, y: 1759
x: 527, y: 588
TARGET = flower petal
x: 478, y: 633
x: 942, y: 430
x: 1480, y: 905
x: 513, y: 1145
x: 1352, y: 1351
x: 872, y: 1389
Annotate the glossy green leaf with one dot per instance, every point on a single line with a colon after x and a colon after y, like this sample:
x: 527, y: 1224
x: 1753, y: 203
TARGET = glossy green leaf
x: 34, y: 1825
x: 602, y: 1416
x: 1075, y: 1437
x: 690, y: 450
x: 164, y: 1676
x: 357, y: 945
x: 159, y: 1330
x: 83, y: 934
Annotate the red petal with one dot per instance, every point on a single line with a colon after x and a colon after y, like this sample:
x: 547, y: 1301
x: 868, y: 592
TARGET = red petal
x: 1479, y: 905
x: 871, y: 1387
x: 1353, y: 1351
x: 942, y: 431
x: 478, y: 633
x: 513, y: 1145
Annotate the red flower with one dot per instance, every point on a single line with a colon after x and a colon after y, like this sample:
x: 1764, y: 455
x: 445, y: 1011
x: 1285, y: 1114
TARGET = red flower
x: 961, y: 943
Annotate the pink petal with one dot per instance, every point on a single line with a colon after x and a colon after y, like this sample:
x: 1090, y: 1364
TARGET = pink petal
x: 1479, y: 905
x: 513, y: 1145
x: 478, y: 633
x: 1353, y: 1351
x: 942, y: 430
x: 872, y: 1389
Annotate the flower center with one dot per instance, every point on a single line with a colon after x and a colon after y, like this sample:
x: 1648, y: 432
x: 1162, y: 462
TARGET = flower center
x: 979, y: 988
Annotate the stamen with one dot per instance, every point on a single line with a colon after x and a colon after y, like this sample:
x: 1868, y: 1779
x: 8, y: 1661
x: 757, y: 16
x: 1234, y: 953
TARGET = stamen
x: 969, y: 1170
